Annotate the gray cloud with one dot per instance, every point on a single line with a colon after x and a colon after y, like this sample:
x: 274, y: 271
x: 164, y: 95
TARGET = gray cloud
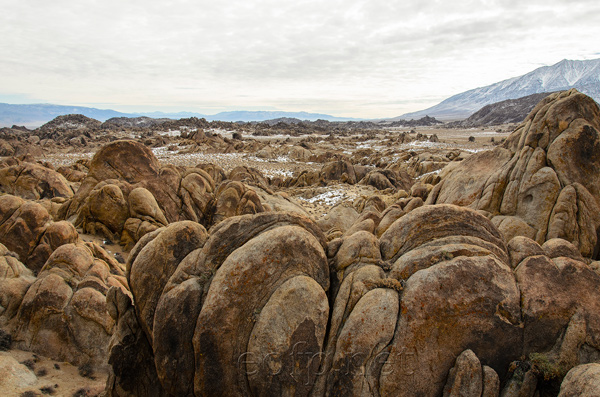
x: 357, y: 58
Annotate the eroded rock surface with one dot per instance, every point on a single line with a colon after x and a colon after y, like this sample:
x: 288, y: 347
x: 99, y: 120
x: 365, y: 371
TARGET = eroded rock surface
x: 543, y: 183
x: 439, y: 304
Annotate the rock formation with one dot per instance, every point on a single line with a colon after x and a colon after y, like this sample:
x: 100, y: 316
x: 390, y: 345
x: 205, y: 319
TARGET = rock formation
x: 126, y: 194
x: 543, y: 182
x: 438, y: 304
x: 482, y: 281
x: 33, y: 182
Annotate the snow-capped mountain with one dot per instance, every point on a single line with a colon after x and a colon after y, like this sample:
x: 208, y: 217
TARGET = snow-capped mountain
x: 566, y: 74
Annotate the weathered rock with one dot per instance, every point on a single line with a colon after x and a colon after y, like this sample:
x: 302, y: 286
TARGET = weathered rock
x: 557, y: 247
x: 491, y: 382
x: 22, y: 224
x: 466, y: 377
x: 583, y: 380
x: 14, y: 375
x: 378, y: 180
x: 340, y: 217
x: 246, y: 292
x: 520, y: 248
x: 126, y: 194
x: 63, y: 314
x: 444, y: 305
x: 33, y: 182
x: 153, y: 265
x: 15, y: 280
x: 551, y: 294
x: 250, y: 176
x: 339, y: 171
x: 233, y: 199
x: 55, y: 235
x: 541, y: 184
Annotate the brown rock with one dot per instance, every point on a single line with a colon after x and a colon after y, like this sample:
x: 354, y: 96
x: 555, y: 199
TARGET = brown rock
x: 466, y: 377
x: 541, y: 184
x: 33, y: 182
x: 23, y: 224
x: 583, y: 380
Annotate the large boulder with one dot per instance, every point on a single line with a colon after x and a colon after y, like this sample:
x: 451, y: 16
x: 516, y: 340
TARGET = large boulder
x: 63, y: 314
x: 33, y: 182
x: 127, y: 194
x: 27, y: 230
x: 543, y: 182
x: 256, y: 286
x: 583, y: 380
x: 15, y: 280
x: 435, y: 284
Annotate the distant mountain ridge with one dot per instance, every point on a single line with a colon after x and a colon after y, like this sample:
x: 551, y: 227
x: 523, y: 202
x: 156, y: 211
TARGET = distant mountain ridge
x: 504, y: 112
x: 564, y: 75
x: 35, y: 115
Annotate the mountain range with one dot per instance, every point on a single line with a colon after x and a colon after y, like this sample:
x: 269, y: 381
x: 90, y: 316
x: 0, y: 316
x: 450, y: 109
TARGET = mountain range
x: 35, y: 115
x: 564, y: 75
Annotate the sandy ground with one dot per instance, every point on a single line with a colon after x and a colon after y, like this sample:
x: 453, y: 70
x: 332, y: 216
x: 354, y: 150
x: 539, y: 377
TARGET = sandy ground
x: 51, y: 378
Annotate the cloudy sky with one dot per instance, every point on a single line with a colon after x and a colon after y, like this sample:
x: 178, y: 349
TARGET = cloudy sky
x: 355, y: 58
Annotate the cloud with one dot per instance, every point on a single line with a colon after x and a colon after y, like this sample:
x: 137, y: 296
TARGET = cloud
x: 356, y: 58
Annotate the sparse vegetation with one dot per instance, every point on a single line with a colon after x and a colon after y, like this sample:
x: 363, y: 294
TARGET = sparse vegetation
x: 81, y: 393
x: 547, y: 367
x: 471, y: 138
x: 391, y: 283
x: 29, y: 364
x: 86, y: 371
x: 48, y: 390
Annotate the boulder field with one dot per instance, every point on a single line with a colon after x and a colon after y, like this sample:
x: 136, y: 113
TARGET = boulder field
x: 486, y: 284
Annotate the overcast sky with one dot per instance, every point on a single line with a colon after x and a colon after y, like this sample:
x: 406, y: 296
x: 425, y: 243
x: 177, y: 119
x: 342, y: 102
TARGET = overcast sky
x: 371, y: 58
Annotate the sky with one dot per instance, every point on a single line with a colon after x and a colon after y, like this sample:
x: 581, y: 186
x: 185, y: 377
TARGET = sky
x: 352, y: 58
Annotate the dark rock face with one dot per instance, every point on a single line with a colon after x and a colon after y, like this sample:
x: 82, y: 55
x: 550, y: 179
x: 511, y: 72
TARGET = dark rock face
x: 504, y: 112
x: 543, y: 183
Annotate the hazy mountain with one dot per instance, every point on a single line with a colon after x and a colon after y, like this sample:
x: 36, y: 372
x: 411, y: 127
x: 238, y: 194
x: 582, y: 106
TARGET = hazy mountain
x: 566, y: 74
x: 270, y: 115
x: 37, y: 114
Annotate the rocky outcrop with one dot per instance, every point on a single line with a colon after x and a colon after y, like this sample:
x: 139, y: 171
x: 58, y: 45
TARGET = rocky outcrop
x: 345, y: 172
x: 257, y: 284
x: 15, y: 279
x: 70, y: 122
x: 503, y: 112
x: 33, y: 182
x: 543, y: 182
x: 126, y: 194
x: 26, y: 229
x: 439, y: 304
x: 62, y: 313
